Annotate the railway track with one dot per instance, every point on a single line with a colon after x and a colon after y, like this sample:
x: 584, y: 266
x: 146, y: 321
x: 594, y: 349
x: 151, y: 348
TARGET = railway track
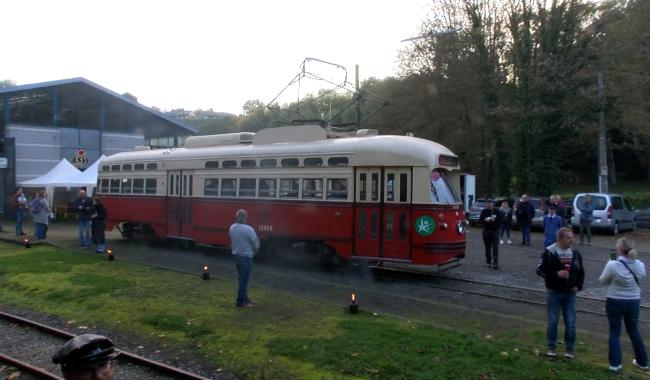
x: 513, y: 293
x: 46, y: 340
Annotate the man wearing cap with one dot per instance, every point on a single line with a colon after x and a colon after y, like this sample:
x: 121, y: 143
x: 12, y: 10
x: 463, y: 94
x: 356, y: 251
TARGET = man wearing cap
x: 86, y: 356
x: 491, y: 219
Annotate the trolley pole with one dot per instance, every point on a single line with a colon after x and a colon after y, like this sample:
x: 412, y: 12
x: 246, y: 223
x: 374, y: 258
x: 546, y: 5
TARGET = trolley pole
x: 602, y: 139
x: 357, y: 95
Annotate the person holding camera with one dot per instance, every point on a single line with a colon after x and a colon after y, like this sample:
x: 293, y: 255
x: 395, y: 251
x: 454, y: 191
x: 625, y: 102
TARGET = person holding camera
x: 622, y: 275
x: 564, y: 275
x: 491, y: 218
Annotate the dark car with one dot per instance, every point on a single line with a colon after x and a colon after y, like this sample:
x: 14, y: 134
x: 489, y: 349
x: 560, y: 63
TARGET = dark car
x: 475, y: 211
x: 538, y: 219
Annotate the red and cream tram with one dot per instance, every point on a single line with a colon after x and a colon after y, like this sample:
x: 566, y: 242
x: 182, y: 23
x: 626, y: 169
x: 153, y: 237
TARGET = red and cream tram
x: 380, y: 198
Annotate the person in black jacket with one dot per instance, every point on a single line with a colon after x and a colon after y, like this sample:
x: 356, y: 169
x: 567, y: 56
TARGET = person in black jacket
x: 83, y: 206
x: 525, y: 214
x: 99, y: 225
x: 564, y: 275
x: 491, y: 218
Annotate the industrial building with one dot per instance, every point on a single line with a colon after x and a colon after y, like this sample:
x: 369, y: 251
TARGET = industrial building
x: 75, y: 119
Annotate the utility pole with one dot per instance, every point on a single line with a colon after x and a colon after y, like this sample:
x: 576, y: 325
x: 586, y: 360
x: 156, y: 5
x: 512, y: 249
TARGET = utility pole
x: 357, y: 95
x: 602, y: 139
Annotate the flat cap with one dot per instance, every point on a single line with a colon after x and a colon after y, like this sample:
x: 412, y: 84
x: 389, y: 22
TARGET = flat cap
x: 85, y: 351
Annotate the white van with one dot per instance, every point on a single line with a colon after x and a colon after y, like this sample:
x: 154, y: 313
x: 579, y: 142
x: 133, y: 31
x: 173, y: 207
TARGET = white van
x: 611, y: 212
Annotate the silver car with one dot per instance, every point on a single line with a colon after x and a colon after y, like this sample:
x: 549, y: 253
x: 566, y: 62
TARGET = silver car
x: 612, y: 212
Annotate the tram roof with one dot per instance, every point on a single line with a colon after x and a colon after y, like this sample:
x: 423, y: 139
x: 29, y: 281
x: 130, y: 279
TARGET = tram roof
x: 383, y: 150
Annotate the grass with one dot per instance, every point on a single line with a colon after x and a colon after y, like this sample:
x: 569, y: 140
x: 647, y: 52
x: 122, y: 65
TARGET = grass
x: 284, y: 337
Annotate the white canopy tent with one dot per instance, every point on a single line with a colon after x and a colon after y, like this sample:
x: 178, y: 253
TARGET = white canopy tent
x: 64, y: 174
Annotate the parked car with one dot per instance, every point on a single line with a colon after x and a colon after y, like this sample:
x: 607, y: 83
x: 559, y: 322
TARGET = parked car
x: 475, y: 211
x: 643, y: 218
x: 538, y: 219
x: 612, y: 212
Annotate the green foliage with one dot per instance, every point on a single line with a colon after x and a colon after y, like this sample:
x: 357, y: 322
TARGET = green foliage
x: 7, y: 83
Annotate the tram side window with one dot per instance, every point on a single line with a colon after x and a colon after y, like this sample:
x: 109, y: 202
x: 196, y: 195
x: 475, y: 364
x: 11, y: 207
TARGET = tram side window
x: 229, y: 164
x: 312, y: 188
x: 104, y: 187
x: 152, y: 166
x: 337, y: 161
x: 105, y: 168
x: 228, y: 187
x: 289, y: 162
x: 268, y: 163
x: 337, y: 188
x: 138, y: 186
x: 150, y: 186
x: 115, y: 185
x: 362, y: 186
x: 211, y: 187
x: 313, y: 161
x: 126, y: 185
x: 390, y: 187
x: 115, y: 168
x: 403, y: 187
x: 248, y: 164
x: 126, y: 167
x: 374, y: 187
x: 138, y: 166
x: 211, y: 164
x: 247, y: 187
x: 267, y: 188
x: 289, y: 188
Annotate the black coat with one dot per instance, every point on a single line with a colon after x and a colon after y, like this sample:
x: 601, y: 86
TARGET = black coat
x: 550, y: 263
x: 492, y: 225
x: 525, y: 212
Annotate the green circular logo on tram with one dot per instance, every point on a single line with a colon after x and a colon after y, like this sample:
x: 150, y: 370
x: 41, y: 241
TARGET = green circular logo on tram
x: 424, y: 225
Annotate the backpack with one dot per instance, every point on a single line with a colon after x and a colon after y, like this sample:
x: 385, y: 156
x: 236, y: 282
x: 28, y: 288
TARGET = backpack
x: 35, y: 206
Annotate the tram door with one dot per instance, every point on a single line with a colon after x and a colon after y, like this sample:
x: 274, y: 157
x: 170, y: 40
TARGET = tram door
x: 180, y: 188
x: 368, y: 212
x: 396, y: 213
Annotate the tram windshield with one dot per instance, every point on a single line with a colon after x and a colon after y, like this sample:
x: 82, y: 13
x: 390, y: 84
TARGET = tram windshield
x: 441, y: 189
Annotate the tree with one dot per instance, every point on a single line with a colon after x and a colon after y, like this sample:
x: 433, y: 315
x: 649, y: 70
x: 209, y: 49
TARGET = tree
x: 7, y: 83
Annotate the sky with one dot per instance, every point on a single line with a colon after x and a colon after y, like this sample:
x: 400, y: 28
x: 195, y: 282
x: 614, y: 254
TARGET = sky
x: 201, y: 54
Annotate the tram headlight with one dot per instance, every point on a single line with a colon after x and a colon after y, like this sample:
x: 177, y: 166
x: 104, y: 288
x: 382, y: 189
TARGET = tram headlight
x: 460, y: 227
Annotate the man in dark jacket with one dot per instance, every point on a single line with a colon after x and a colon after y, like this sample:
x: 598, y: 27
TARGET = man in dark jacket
x: 525, y: 214
x: 564, y: 275
x: 84, y: 208
x: 491, y: 218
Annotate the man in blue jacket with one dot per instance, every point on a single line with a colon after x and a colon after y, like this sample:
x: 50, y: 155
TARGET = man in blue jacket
x: 244, y: 244
x: 84, y: 208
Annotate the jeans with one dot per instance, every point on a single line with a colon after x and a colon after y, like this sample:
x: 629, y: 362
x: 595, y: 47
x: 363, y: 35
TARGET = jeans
x: 585, y: 227
x: 39, y: 230
x: 244, y: 267
x: 84, y: 232
x: 505, y: 227
x: 629, y: 311
x: 567, y: 303
x: 525, y: 233
x: 20, y: 216
x: 491, y: 242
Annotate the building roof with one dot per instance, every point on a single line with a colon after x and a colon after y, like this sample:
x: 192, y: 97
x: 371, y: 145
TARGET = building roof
x: 181, y: 128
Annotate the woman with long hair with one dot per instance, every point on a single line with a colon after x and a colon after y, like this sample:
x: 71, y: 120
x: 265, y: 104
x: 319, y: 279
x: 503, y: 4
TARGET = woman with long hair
x: 623, y: 276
